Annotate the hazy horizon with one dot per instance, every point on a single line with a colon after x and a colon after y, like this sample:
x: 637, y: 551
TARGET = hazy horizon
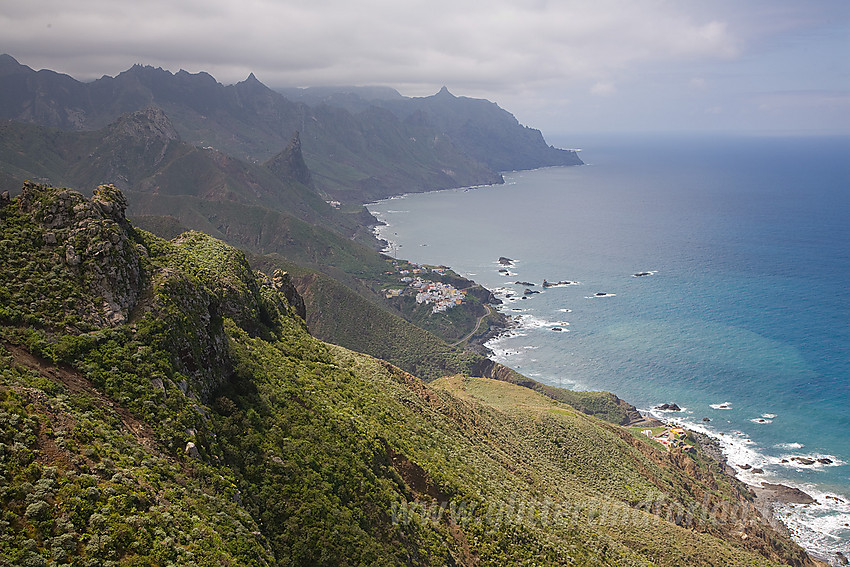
x: 649, y: 65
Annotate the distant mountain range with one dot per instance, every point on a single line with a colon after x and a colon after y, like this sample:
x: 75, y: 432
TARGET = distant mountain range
x: 281, y: 174
x: 359, y: 144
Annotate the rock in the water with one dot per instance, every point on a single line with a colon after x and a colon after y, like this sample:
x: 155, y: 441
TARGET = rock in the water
x: 788, y: 494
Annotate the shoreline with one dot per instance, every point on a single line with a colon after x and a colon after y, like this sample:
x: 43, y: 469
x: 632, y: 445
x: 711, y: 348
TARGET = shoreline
x: 765, y: 496
x: 771, y: 499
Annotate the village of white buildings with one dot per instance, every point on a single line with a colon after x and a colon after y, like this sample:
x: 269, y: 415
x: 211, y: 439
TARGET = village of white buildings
x: 441, y: 296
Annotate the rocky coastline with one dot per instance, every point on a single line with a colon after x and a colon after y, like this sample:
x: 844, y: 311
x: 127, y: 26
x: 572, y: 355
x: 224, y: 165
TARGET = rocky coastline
x: 766, y: 496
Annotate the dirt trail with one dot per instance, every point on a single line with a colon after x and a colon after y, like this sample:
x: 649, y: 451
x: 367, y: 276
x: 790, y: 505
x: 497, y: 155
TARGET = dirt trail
x: 78, y: 384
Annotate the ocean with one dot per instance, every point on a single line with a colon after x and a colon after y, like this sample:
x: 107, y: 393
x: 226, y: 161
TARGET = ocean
x: 742, y: 316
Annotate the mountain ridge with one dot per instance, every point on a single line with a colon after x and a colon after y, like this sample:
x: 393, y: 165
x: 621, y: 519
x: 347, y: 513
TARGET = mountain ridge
x: 250, y: 121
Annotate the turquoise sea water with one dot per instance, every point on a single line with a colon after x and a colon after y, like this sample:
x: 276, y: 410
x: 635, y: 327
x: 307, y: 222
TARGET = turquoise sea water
x: 744, y: 318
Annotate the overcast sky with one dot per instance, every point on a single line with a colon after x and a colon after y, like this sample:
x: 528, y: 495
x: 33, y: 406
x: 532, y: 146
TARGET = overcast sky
x: 560, y: 66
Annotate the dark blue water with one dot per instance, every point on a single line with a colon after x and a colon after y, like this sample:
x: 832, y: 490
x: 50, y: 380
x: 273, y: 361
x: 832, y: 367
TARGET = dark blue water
x: 747, y: 241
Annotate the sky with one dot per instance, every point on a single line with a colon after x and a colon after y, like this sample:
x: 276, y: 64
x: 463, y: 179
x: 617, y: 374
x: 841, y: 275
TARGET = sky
x: 758, y: 66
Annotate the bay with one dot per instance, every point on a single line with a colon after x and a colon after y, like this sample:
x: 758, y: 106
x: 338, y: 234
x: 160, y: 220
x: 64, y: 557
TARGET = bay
x: 743, y: 318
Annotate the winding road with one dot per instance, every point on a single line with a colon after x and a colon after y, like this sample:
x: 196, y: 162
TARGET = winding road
x: 477, y: 326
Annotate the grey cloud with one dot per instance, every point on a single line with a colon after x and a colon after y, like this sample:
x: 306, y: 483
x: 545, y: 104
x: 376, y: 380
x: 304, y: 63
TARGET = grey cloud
x: 526, y: 55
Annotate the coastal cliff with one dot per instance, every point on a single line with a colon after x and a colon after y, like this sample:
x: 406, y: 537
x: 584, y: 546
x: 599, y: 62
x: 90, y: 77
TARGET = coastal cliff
x: 192, y: 418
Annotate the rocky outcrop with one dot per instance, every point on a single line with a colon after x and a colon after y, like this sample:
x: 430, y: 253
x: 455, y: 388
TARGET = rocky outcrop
x: 108, y: 274
x: 788, y: 494
x: 290, y: 164
x: 94, y: 241
x: 282, y: 283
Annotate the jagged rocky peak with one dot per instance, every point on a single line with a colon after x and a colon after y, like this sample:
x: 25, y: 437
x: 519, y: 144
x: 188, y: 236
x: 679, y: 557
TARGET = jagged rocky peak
x: 251, y: 80
x: 290, y: 162
x: 148, y: 124
x: 92, y: 239
x: 252, y: 86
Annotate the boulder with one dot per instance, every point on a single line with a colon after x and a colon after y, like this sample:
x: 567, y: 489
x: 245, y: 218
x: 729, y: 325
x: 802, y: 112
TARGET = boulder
x: 788, y: 494
x: 192, y: 451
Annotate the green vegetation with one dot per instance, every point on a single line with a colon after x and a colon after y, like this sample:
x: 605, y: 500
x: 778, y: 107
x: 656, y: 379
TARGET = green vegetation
x: 336, y: 314
x: 162, y: 403
x: 197, y: 422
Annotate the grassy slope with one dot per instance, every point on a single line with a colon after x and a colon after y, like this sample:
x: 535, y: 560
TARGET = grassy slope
x: 209, y: 428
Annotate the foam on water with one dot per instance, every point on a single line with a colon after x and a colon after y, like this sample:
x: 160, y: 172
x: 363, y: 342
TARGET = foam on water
x: 821, y: 527
x: 792, y: 445
x: 748, y: 242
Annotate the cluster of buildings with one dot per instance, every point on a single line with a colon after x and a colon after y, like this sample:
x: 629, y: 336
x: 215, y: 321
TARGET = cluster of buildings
x: 443, y: 296
x: 672, y: 438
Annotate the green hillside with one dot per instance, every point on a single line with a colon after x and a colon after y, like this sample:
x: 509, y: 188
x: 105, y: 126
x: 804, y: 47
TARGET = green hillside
x: 161, y: 403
